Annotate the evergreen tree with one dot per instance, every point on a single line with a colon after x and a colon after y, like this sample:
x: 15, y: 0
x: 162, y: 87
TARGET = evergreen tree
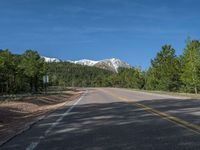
x: 191, y: 66
x: 7, y: 66
x: 33, y: 67
x: 164, y: 71
x: 130, y: 78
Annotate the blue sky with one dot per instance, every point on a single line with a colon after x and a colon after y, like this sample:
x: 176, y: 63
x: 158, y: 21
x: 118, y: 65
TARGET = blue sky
x: 132, y: 30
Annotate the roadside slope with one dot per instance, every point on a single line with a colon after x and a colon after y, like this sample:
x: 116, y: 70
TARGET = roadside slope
x: 17, y: 116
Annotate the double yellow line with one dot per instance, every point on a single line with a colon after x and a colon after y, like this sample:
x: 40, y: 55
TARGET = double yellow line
x: 165, y: 116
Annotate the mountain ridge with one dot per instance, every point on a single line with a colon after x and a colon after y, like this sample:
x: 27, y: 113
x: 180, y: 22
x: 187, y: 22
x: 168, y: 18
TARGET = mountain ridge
x: 112, y: 64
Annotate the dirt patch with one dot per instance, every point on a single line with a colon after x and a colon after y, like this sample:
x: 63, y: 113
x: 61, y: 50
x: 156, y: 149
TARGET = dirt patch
x: 14, y: 115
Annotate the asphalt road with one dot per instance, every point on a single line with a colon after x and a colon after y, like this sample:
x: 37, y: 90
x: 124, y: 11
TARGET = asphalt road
x: 116, y: 119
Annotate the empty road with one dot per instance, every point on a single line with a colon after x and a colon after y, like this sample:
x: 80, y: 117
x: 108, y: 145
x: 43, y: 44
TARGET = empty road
x: 116, y: 119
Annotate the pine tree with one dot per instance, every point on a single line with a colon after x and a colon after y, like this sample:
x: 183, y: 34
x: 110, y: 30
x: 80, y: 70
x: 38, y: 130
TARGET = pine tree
x: 191, y: 66
x: 164, y: 71
x: 33, y: 67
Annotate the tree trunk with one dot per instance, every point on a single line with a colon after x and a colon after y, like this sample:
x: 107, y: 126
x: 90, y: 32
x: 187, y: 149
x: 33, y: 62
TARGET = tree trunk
x: 36, y: 83
x: 32, y: 85
x: 195, y: 89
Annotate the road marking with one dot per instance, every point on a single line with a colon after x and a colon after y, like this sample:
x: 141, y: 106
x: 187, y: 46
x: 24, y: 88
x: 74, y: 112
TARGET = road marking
x: 33, y: 145
x: 175, y: 120
x: 182, y: 123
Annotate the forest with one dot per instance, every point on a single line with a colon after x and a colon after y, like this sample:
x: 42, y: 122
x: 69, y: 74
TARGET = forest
x: 167, y: 72
x: 21, y: 73
x: 74, y: 75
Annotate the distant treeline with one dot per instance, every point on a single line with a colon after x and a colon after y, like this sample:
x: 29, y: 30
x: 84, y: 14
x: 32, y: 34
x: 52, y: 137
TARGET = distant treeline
x: 168, y: 72
x: 74, y: 75
x: 23, y: 73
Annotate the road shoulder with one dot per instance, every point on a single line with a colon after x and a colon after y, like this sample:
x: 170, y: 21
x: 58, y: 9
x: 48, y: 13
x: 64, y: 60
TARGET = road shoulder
x: 18, y: 116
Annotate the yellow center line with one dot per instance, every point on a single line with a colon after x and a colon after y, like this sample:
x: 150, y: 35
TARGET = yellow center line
x: 182, y: 123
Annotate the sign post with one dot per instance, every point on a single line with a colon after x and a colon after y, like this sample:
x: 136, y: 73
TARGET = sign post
x: 45, y: 82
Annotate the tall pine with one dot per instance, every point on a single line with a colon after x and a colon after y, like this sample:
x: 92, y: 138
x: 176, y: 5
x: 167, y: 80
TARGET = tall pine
x: 164, y: 71
x: 191, y: 66
x: 34, y: 67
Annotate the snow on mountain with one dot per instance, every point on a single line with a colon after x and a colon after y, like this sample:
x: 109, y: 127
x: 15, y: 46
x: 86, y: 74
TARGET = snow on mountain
x: 47, y: 59
x: 116, y: 63
x: 86, y: 62
x: 112, y: 64
x: 109, y: 64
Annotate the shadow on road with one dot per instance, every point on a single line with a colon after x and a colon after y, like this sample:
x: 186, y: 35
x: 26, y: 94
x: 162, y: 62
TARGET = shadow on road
x: 113, y: 126
x: 188, y: 109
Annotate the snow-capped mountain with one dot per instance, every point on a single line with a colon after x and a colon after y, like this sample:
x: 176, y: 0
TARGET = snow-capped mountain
x: 112, y: 64
x: 48, y: 59
x: 86, y: 62
x: 109, y: 64
x: 115, y: 63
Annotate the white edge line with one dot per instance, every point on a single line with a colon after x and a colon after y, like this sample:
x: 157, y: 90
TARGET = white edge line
x: 33, y: 145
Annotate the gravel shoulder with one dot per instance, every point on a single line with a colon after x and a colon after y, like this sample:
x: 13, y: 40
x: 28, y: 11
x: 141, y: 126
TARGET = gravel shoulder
x: 16, y: 116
